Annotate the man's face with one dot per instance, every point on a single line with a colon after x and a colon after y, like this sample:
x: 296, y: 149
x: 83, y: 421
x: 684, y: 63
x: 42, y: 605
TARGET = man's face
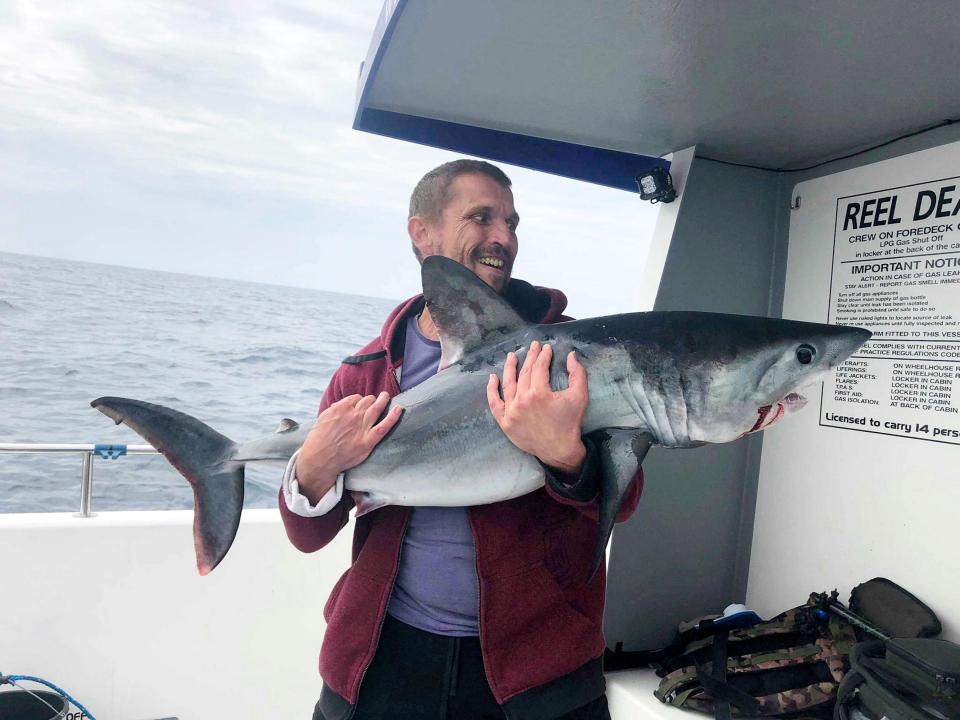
x: 477, y: 228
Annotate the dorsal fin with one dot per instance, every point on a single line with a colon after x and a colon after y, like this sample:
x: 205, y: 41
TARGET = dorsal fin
x: 287, y: 425
x: 467, y: 311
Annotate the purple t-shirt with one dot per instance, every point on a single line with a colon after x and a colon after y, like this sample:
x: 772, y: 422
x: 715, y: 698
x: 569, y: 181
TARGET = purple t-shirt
x: 437, y: 585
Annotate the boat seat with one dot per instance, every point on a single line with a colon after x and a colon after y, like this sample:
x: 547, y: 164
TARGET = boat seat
x: 630, y: 697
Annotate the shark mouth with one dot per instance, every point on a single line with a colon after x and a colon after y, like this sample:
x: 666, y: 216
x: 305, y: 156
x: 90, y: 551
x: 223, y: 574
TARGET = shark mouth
x: 769, y: 414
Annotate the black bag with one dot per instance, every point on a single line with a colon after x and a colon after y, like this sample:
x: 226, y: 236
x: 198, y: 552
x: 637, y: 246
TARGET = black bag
x: 902, y: 679
x: 893, y: 610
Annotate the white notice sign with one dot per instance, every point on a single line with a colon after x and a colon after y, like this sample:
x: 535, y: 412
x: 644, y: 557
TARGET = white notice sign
x: 896, y: 271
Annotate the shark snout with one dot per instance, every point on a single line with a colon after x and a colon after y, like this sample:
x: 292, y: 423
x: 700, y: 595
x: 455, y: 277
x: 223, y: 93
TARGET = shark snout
x: 846, y: 342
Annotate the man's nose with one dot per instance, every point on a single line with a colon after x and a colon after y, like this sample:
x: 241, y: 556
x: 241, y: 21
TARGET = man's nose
x: 501, y: 233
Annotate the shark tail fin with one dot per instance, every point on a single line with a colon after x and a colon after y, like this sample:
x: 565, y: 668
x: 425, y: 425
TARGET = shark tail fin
x: 621, y: 453
x: 204, y: 457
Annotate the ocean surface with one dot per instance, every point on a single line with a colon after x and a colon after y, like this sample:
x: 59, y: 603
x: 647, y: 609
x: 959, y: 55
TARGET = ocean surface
x: 239, y: 356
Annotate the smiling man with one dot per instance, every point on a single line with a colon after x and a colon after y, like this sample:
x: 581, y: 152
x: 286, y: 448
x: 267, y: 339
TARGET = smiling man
x: 470, y: 219
x: 465, y: 613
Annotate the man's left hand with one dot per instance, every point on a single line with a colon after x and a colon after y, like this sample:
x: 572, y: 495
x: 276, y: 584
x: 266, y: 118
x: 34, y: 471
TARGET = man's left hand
x: 536, y: 419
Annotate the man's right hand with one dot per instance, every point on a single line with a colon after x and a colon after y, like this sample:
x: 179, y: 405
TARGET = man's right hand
x: 341, y: 438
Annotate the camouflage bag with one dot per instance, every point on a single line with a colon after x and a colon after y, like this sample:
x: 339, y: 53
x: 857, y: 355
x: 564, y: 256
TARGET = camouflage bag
x: 788, y: 667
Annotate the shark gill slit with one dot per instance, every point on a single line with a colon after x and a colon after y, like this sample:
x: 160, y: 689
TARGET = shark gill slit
x: 667, y: 393
x: 623, y: 388
x: 636, y: 396
x: 682, y: 384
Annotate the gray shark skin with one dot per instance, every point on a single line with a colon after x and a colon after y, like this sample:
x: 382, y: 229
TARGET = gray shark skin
x: 675, y: 379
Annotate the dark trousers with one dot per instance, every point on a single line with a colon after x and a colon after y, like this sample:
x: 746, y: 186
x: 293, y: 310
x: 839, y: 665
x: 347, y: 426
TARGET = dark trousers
x: 416, y: 675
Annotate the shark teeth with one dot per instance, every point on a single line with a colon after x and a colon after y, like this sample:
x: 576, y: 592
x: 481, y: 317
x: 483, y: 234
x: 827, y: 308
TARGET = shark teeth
x: 492, y: 262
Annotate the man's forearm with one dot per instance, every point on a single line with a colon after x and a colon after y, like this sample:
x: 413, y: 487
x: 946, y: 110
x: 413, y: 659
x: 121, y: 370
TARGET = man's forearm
x: 302, y: 504
x: 580, y: 486
x: 321, y: 479
x: 310, y: 526
x: 568, y: 461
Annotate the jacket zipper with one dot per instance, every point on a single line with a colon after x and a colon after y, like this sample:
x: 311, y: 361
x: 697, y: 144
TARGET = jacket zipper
x: 393, y: 580
x: 383, y: 616
x: 476, y: 566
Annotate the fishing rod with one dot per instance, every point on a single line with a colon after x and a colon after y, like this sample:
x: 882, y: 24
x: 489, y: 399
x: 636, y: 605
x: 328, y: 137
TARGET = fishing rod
x: 824, y: 604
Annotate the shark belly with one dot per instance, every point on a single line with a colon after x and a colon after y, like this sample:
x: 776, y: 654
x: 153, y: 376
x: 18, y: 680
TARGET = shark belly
x: 464, y: 459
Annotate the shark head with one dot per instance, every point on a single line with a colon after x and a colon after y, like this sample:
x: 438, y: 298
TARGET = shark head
x: 687, y: 378
x: 719, y: 377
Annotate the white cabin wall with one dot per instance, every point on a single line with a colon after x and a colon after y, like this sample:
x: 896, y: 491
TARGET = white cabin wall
x: 837, y: 507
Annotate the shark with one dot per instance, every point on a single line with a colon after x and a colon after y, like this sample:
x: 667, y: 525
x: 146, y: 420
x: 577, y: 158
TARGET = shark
x: 675, y: 379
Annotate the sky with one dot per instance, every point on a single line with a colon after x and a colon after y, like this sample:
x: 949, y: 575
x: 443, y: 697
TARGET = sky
x: 215, y: 138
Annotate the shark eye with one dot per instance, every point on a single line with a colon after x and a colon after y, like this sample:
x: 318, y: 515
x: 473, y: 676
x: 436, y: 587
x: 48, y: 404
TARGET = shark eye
x: 806, y: 354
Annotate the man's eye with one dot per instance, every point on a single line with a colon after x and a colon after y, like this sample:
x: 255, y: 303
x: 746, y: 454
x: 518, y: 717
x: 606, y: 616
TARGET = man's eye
x: 512, y: 224
x: 482, y: 218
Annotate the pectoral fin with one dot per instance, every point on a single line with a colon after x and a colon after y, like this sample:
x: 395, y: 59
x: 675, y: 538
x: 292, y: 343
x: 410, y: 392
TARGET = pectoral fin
x: 621, y: 452
x: 366, y: 502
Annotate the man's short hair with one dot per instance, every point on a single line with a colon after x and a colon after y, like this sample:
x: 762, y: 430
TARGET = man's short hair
x: 432, y: 193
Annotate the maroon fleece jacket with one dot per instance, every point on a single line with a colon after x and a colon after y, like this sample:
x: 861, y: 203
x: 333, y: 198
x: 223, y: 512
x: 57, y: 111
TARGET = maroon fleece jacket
x: 540, y: 616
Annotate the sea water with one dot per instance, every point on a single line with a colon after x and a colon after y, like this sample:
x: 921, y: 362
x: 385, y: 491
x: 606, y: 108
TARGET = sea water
x: 237, y: 355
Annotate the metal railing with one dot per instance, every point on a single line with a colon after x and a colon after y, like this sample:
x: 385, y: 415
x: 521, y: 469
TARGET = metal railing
x: 88, y: 452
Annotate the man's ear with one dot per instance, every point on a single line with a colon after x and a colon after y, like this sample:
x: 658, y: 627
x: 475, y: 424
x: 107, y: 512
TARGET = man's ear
x: 419, y: 235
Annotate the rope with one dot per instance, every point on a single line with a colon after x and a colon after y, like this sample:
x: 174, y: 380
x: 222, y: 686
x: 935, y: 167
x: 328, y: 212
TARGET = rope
x: 12, y: 680
x: 36, y: 697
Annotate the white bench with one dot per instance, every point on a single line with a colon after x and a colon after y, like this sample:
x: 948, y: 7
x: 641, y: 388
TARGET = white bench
x: 630, y: 696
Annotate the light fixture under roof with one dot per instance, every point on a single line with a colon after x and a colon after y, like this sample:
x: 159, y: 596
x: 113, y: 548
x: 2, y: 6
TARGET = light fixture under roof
x: 656, y: 186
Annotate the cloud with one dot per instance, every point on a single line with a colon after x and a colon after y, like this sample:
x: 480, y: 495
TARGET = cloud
x: 250, y: 95
x: 215, y: 138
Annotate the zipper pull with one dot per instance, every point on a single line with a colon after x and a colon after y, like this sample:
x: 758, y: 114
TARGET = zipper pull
x: 946, y: 686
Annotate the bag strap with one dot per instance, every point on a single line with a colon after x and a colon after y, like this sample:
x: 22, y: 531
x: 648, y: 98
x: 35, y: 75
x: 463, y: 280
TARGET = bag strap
x: 851, y: 682
x: 715, y: 682
x: 721, y: 710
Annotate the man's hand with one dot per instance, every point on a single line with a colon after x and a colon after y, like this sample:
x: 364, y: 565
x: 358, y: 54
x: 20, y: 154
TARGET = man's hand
x: 341, y: 438
x: 537, y: 420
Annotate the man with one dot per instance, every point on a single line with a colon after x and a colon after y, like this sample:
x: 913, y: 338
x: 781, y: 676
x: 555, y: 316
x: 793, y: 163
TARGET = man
x: 482, y: 612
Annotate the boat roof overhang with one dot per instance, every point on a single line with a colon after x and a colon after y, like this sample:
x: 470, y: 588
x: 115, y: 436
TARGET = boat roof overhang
x: 600, y: 90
